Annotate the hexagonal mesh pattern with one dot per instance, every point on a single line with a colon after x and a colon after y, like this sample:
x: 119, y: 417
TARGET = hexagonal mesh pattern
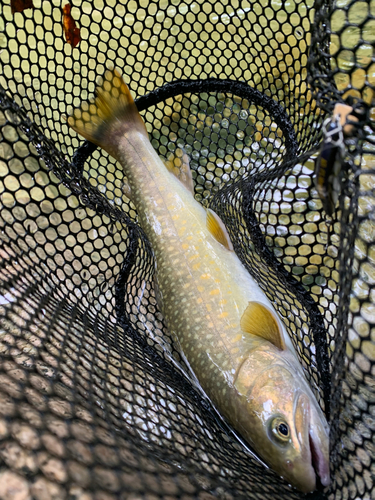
x: 96, y: 401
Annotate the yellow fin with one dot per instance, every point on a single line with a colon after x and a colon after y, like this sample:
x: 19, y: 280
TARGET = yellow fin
x: 259, y: 320
x: 216, y: 227
x: 113, y: 111
x: 178, y: 164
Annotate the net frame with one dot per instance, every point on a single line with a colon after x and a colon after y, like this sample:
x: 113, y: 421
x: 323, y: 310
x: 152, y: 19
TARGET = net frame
x: 280, y: 75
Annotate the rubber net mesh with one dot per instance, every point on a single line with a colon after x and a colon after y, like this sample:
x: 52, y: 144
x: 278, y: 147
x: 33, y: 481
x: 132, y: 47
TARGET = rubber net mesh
x: 96, y: 401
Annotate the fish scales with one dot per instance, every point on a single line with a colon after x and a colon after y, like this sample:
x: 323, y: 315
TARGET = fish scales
x: 225, y: 325
x: 202, y: 300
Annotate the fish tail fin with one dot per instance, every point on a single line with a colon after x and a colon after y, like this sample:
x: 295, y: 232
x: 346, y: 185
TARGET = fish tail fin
x: 113, y: 112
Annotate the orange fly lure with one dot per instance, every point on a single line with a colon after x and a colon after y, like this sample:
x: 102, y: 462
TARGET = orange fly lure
x: 72, y: 33
x: 21, y: 5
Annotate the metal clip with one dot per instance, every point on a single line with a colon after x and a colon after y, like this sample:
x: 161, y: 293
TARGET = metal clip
x: 328, y: 177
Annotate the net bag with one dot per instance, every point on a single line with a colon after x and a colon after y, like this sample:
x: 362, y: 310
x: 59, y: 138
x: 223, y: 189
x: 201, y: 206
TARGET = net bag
x: 96, y: 400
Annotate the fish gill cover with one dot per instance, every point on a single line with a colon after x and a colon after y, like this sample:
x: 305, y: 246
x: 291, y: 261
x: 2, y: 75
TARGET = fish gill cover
x: 96, y: 401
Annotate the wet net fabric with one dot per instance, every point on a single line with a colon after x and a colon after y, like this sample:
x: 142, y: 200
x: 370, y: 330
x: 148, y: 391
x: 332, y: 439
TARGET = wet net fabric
x: 96, y: 401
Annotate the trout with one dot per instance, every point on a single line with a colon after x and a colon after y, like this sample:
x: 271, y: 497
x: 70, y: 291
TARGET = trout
x: 227, y: 329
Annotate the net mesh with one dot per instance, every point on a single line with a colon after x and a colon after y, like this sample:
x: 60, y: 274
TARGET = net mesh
x: 96, y: 401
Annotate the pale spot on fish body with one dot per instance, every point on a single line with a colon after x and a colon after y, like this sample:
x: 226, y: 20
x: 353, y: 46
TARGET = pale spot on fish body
x: 195, y: 256
x: 268, y: 407
x: 223, y: 315
x: 237, y: 338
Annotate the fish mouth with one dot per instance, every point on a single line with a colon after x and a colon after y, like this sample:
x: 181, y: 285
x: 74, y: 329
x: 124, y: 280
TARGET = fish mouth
x: 318, y: 459
x: 313, y: 438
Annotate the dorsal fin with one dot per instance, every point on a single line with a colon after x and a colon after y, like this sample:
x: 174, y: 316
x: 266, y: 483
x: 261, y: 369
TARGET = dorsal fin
x: 259, y: 320
x: 216, y: 227
x: 178, y: 164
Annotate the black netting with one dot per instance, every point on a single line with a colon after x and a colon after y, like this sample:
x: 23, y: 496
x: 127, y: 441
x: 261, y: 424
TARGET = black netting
x: 96, y: 401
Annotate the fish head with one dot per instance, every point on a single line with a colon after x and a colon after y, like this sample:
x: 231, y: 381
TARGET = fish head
x: 287, y: 428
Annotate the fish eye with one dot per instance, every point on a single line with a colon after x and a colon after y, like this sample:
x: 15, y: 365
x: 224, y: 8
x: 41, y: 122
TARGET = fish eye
x: 280, y: 430
x: 283, y: 429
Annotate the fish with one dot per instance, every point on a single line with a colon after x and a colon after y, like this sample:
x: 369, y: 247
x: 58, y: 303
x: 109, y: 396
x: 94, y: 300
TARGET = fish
x: 226, y: 327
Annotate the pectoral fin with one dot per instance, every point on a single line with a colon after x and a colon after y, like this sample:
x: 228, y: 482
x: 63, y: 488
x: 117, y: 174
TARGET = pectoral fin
x: 216, y: 227
x: 178, y: 164
x: 259, y: 320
